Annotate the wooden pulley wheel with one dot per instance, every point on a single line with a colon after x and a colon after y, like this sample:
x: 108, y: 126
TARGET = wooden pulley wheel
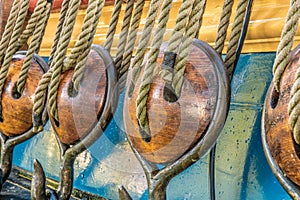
x: 282, y: 152
x: 78, y: 114
x: 196, y: 117
x: 17, y: 109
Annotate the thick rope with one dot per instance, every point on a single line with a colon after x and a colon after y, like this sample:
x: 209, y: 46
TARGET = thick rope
x: 223, y: 25
x: 143, y: 43
x: 48, y: 11
x: 138, y: 10
x: 33, y: 47
x: 181, y: 21
x: 59, y: 57
x: 124, y: 35
x: 191, y: 31
x: 9, y: 28
x: 31, y: 24
x: 61, y: 21
x: 149, y: 68
x: 235, y: 36
x: 285, y: 44
x: 294, y: 103
x: 113, y: 25
x: 79, y: 68
x: 84, y: 35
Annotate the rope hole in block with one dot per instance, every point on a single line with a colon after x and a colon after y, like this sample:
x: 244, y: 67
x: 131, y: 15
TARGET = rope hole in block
x: 14, y: 93
x: 71, y: 90
x: 274, y: 98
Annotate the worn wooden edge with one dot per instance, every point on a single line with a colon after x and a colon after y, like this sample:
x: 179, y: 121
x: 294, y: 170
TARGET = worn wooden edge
x: 291, y: 188
x: 21, y: 179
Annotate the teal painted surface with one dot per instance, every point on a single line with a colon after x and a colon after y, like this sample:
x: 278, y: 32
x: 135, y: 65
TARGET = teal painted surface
x: 242, y: 171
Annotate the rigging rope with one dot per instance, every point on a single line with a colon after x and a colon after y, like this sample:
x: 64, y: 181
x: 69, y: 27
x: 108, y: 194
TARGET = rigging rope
x: 294, y: 103
x: 124, y: 35
x: 235, y: 36
x: 223, y: 25
x: 138, y: 11
x: 113, y: 25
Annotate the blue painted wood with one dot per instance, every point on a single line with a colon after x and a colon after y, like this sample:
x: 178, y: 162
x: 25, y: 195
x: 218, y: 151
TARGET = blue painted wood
x: 242, y: 171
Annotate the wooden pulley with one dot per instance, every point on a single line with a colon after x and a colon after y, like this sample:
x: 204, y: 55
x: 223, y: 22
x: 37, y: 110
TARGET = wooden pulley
x: 196, y: 117
x: 17, y: 109
x: 282, y: 152
x: 79, y: 113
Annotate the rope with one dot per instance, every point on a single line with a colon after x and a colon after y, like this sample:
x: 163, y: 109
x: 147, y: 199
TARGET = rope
x: 78, y: 72
x: 235, y: 36
x: 84, y: 35
x: 31, y: 24
x: 11, y: 47
x: 141, y: 49
x: 289, y: 31
x: 223, y: 25
x: 124, y: 35
x: 148, y: 71
x: 113, y: 25
x: 34, y: 45
x: 138, y: 10
x: 180, y: 25
x: 286, y: 43
x: 191, y: 31
x: 62, y: 18
x: 9, y: 28
x: 59, y: 56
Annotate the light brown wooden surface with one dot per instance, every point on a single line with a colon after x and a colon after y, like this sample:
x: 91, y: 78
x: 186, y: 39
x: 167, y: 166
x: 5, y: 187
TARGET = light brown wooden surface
x: 279, y: 137
x: 175, y: 127
x: 267, y: 20
x: 17, y: 113
x: 78, y: 115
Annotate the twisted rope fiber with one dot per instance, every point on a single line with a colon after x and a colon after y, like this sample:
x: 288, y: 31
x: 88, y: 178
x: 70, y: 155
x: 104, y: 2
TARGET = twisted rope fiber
x: 181, y: 22
x: 79, y: 68
x: 144, y: 40
x: 34, y: 45
x: 294, y: 103
x: 44, y: 82
x: 235, y: 35
x: 138, y: 10
x: 286, y: 43
x: 201, y: 18
x: 191, y: 31
x: 94, y: 29
x: 113, y: 25
x: 9, y: 28
x: 31, y: 24
x: 58, y: 32
x: 59, y: 56
x: 223, y: 25
x: 86, y: 29
x: 142, y: 97
x: 47, y: 16
x: 124, y: 35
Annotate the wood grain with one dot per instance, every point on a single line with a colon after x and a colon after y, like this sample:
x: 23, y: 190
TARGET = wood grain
x: 79, y: 114
x: 175, y: 127
x: 17, y: 113
x: 278, y: 134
